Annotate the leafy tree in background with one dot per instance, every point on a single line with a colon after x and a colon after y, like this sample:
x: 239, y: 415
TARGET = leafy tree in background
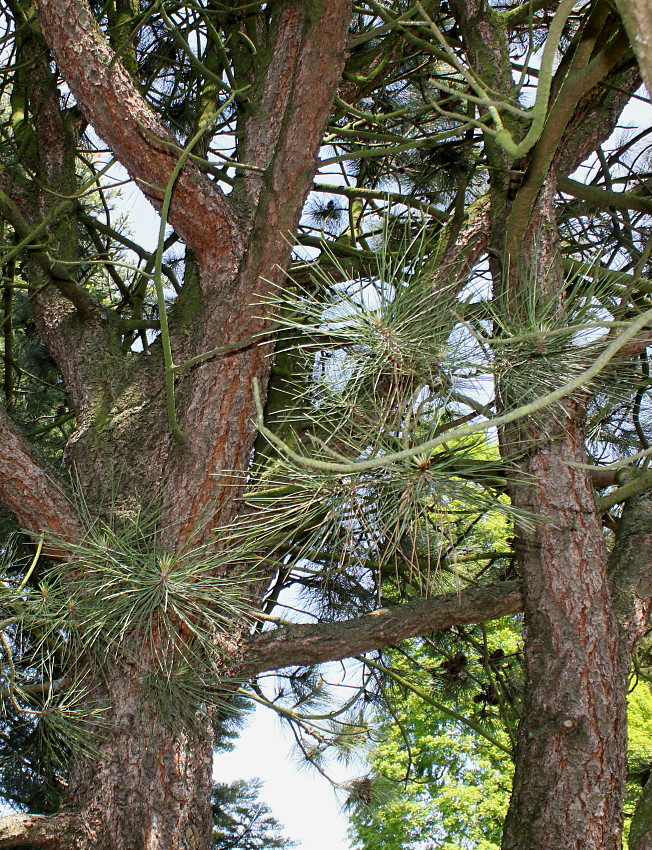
x: 271, y: 400
x: 433, y: 773
x: 434, y: 777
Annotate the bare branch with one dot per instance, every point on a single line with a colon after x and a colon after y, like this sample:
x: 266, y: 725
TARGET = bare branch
x: 313, y: 644
x: 604, y: 197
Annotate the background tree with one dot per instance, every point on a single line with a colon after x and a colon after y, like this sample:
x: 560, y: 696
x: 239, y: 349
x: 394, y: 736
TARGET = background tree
x: 242, y: 821
x: 447, y: 248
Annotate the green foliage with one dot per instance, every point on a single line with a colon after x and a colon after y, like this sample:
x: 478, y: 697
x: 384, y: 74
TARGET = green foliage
x: 122, y: 590
x: 118, y: 602
x: 433, y: 777
x: 639, y: 749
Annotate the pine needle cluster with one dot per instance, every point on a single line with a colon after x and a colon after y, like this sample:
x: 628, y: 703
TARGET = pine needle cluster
x: 119, y: 601
x: 389, y: 355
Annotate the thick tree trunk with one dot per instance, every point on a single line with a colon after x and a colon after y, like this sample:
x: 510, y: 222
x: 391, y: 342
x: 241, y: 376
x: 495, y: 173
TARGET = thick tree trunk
x: 571, y: 756
x: 569, y: 782
x: 150, y: 787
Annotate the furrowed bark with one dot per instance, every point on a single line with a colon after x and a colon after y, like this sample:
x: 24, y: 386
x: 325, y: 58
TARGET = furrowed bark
x: 151, y: 788
x: 570, y: 773
x: 570, y: 761
x: 569, y: 782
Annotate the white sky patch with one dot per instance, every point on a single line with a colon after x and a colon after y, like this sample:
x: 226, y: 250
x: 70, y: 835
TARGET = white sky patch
x: 302, y: 800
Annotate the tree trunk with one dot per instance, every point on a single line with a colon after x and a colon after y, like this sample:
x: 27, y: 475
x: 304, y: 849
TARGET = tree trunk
x: 571, y: 754
x: 150, y: 788
x: 569, y: 783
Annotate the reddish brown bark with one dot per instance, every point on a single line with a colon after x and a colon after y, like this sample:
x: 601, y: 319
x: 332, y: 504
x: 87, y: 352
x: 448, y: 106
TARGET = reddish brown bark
x: 42, y: 830
x: 200, y: 212
x: 569, y: 782
x: 570, y: 761
x: 151, y: 787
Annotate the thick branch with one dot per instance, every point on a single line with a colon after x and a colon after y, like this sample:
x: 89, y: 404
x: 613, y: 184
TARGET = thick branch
x: 43, y: 831
x: 290, y: 646
x: 30, y: 491
x: 486, y: 43
x: 603, y: 197
x: 525, y: 13
x: 312, y: 38
x: 469, y: 245
x: 110, y: 101
x: 57, y: 273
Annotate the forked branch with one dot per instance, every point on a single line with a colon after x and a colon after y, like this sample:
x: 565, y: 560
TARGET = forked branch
x: 200, y: 212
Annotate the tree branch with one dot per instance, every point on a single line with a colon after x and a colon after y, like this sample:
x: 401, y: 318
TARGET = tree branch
x: 282, y: 136
x: 57, y: 272
x: 30, y: 491
x: 43, y: 830
x: 300, y: 645
x: 637, y: 19
x: 200, y: 212
x: 603, y: 197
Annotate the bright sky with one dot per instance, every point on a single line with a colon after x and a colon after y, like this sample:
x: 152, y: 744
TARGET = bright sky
x: 302, y: 800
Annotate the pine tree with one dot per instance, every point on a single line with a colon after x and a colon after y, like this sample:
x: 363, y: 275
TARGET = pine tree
x: 268, y: 400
